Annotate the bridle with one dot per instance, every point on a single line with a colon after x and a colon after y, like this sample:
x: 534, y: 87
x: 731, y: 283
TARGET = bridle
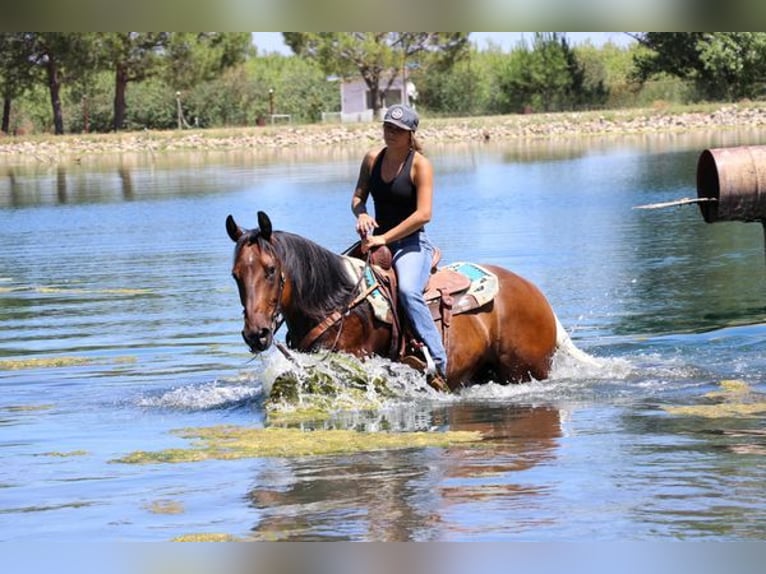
x: 276, y: 317
x: 313, y: 335
x: 310, y: 338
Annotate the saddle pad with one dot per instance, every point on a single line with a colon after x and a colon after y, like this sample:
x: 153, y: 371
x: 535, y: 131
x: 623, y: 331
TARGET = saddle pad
x: 380, y: 306
x: 484, y: 284
x: 482, y: 287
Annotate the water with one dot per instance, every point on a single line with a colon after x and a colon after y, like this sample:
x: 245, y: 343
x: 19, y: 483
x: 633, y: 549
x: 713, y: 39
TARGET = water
x: 119, y: 323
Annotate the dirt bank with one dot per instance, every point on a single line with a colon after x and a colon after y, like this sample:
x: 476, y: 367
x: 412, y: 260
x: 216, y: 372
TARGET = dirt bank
x: 53, y: 149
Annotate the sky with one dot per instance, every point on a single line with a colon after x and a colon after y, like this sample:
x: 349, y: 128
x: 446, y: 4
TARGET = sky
x: 272, y: 41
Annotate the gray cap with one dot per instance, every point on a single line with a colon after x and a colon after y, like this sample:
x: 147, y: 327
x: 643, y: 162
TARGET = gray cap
x: 402, y: 117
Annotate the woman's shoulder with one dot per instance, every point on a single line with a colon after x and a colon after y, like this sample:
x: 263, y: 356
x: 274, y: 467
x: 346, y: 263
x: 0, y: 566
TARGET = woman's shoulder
x: 372, y: 155
x: 419, y: 159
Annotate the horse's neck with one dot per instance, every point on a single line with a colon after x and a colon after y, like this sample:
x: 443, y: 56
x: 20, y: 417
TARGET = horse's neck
x: 316, y: 290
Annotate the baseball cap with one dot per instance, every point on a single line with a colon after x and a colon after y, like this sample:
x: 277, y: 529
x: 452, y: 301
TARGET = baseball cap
x: 402, y: 117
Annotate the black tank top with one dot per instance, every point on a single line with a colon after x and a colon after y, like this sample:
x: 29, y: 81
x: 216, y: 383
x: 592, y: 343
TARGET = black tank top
x: 395, y: 200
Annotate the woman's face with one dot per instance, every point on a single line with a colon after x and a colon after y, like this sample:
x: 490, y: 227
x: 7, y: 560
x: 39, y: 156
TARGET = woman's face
x: 394, y: 135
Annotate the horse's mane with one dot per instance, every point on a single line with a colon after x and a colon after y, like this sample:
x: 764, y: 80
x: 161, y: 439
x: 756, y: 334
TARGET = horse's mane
x: 321, y: 284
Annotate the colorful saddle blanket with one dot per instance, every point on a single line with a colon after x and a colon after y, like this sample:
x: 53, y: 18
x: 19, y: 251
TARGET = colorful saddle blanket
x: 469, y: 285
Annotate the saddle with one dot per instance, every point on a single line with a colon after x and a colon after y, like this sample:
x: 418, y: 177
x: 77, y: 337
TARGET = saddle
x: 445, y: 295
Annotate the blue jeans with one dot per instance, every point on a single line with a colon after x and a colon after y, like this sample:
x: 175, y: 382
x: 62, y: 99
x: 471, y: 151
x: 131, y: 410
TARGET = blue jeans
x: 412, y: 261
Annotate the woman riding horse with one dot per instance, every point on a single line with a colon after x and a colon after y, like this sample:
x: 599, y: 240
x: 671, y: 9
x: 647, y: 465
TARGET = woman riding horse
x: 400, y: 179
x: 282, y: 276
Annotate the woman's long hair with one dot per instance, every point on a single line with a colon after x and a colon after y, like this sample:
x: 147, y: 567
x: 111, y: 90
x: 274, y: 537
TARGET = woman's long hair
x: 415, y: 143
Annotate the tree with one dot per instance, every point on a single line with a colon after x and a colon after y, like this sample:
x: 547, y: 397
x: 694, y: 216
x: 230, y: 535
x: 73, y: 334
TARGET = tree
x: 183, y: 58
x: 134, y: 56
x: 63, y: 56
x: 16, y: 73
x: 728, y: 65
x: 546, y: 77
x: 379, y: 57
x: 201, y: 57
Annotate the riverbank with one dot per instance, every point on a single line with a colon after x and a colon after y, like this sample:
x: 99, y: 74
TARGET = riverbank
x: 55, y: 149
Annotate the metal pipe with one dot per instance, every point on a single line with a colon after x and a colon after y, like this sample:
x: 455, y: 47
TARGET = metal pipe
x: 733, y: 181
x: 736, y: 179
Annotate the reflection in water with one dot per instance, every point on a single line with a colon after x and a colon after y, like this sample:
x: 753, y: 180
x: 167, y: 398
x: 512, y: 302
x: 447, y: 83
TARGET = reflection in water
x: 126, y: 179
x: 379, y: 496
x: 411, y: 495
x: 706, y: 475
x: 61, y: 185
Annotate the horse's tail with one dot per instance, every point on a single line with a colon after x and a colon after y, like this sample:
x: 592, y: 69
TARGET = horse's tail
x: 564, y: 344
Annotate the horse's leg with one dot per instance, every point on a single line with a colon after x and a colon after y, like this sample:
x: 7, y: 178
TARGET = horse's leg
x: 469, y: 350
x: 361, y: 334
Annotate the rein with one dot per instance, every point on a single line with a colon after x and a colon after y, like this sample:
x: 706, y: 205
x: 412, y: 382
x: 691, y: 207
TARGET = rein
x: 336, y: 316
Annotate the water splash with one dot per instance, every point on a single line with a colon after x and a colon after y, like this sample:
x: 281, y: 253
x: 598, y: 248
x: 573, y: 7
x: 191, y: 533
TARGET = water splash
x: 335, y: 387
x: 218, y: 394
x: 377, y: 393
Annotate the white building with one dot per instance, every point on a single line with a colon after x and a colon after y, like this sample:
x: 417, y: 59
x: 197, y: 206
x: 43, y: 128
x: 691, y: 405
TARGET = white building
x: 356, y: 98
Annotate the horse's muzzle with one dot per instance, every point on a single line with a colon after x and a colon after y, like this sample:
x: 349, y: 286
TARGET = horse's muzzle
x: 259, y: 340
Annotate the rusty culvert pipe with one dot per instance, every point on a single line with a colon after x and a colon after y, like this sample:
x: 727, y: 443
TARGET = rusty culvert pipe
x: 733, y: 183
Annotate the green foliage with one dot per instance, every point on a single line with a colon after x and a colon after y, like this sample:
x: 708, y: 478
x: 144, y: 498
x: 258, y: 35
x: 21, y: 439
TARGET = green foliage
x: 240, y: 96
x: 93, y: 104
x: 229, y: 100
x: 459, y: 90
x: 378, y: 57
x: 151, y: 106
x: 198, y: 57
x: 223, y: 83
x: 722, y: 65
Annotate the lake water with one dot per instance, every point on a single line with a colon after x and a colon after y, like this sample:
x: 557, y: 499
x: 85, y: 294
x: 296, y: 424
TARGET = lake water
x: 119, y: 323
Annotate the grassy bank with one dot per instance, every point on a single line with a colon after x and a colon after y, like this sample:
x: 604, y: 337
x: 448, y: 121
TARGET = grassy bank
x: 659, y: 119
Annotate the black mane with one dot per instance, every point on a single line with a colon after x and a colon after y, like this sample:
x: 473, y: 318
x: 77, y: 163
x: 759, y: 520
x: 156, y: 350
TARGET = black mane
x: 321, y: 284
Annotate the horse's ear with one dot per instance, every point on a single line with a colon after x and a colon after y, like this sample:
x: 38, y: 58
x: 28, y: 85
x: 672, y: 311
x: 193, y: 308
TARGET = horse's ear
x: 264, y: 224
x: 234, y: 230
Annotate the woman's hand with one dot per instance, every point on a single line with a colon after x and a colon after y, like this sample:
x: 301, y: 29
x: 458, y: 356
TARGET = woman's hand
x: 365, y: 225
x: 372, y: 241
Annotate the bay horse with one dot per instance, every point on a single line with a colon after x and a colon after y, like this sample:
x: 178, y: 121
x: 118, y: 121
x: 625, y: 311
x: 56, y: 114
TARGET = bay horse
x: 283, y: 276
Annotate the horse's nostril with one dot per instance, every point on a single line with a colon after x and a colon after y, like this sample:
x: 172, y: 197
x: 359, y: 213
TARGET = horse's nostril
x: 258, y: 340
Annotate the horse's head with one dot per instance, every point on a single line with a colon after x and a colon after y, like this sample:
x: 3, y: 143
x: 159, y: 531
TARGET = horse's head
x: 258, y: 272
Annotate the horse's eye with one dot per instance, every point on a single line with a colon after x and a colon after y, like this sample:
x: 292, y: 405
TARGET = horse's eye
x: 270, y: 271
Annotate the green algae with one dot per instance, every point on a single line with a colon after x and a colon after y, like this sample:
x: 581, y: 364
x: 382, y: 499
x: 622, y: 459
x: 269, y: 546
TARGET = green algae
x: 55, y: 290
x: 206, y: 537
x: 59, y: 362
x: 723, y: 410
x: 169, y: 507
x: 44, y: 362
x: 313, y: 390
x: 337, y: 383
x: 232, y: 442
x: 78, y: 291
x: 733, y: 398
x: 26, y: 408
x: 58, y: 454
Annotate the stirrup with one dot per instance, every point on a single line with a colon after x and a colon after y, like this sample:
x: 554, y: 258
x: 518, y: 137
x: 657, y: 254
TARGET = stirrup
x: 428, y: 366
x: 414, y: 362
x: 437, y: 382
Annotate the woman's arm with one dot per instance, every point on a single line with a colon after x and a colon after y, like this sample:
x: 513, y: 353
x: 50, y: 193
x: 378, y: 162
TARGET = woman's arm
x: 365, y: 224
